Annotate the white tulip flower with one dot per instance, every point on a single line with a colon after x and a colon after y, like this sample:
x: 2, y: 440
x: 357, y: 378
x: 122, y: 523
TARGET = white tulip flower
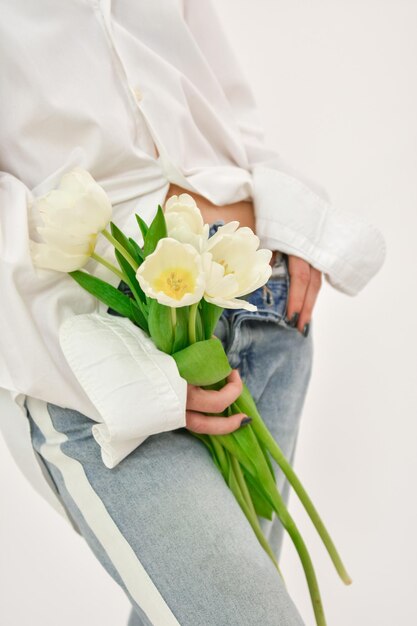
x: 173, y: 274
x: 185, y: 222
x: 72, y: 216
x: 234, y: 266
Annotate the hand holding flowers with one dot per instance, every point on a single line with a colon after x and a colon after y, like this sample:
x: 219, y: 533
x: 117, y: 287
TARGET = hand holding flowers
x: 181, y: 280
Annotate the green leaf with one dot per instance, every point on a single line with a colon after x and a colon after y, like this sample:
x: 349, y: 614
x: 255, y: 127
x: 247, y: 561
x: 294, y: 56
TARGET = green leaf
x: 267, y: 457
x: 244, y: 445
x: 157, y: 230
x: 236, y: 450
x: 124, y: 241
x: 104, y: 292
x: 142, y: 225
x: 160, y: 326
x: 247, y: 440
x: 138, y: 250
x: 240, y: 407
x: 203, y: 363
x: 262, y: 505
x: 210, y: 314
x: 138, y: 317
x: 131, y: 280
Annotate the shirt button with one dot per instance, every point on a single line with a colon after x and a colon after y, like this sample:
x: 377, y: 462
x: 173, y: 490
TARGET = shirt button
x: 137, y: 93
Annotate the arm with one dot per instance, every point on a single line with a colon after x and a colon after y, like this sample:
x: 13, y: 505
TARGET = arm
x: 293, y: 214
x: 137, y: 388
x: 56, y: 347
x: 36, y: 306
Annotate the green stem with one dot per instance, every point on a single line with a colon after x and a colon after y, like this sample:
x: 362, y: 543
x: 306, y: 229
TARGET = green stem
x: 242, y: 483
x: 173, y: 324
x: 245, y: 446
x: 290, y: 526
x: 250, y: 512
x: 247, y: 406
x: 208, y: 443
x: 192, y: 320
x: 221, y: 455
x: 120, y: 248
x: 107, y: 264
x: 227, y: 463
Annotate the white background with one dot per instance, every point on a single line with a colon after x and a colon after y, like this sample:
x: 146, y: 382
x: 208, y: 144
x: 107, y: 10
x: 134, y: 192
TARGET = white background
x: 335, y: 84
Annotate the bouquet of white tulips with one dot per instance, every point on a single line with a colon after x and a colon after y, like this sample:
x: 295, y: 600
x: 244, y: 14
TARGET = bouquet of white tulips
x: 180, y: 281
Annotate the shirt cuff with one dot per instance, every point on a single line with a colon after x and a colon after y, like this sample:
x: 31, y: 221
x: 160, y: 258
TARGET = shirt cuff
x: 292, y: 218
x: 135, y: 387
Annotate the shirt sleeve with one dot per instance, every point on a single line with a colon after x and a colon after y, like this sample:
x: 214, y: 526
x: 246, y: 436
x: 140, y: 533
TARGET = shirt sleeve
x: 107, y: 369
x: 293, y: 214
x: 136, y: 387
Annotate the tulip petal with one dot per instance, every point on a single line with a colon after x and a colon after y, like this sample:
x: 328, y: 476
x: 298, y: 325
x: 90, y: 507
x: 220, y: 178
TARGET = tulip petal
x: 244, y: 267
x: 49, y: 258
x: 76, y: 181
x: 187, y: 211
x: 184, y: 199
x: 232, y: 303
x: 172, y: 274
x: 53, y: 201
x: 69, y: 244
x: 72, y: 217
x: 229, y: 227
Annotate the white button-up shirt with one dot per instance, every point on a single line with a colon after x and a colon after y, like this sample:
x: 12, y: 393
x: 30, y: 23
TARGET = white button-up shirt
x: 141, y: 94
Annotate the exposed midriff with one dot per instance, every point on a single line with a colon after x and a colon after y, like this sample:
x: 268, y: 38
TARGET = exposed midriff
x: 242, y: 211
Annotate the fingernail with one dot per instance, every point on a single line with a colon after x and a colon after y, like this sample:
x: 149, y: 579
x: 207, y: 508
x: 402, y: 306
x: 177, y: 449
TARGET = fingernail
x: 306, y: 329
x: 294, y: 319
x: 246, y: 420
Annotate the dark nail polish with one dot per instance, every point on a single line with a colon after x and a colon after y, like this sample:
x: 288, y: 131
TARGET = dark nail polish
x: 306, y: 329
x: 246, y: 420
x: 294, y: 319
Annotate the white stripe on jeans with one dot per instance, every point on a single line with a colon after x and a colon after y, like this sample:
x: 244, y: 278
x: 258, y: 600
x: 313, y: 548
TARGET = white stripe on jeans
x: 121, y: 554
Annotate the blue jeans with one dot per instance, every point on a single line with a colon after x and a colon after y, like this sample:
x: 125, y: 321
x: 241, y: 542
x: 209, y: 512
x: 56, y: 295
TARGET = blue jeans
x: 163, y: 523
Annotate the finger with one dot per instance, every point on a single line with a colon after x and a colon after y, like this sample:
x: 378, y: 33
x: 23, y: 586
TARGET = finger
x: 213, y: 425
x: 211, y: 401
x: 299, y: 271
x: 309, y: 300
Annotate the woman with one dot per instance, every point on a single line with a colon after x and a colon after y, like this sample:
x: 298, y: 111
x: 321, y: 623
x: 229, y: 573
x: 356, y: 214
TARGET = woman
x: 149, y: 99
